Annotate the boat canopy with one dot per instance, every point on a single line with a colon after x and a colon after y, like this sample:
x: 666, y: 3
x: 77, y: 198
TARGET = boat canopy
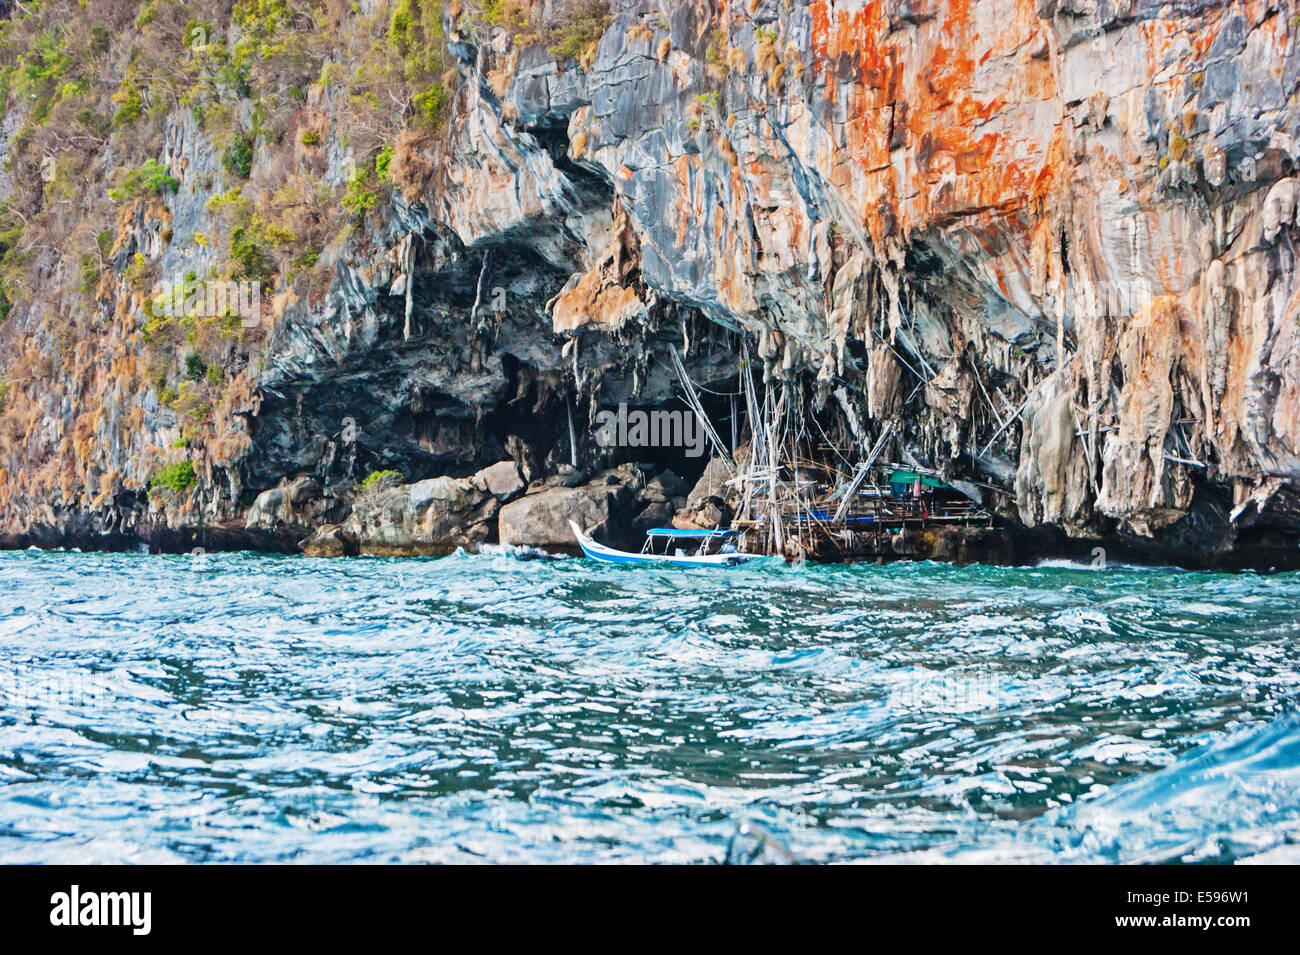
x: 679, y: 532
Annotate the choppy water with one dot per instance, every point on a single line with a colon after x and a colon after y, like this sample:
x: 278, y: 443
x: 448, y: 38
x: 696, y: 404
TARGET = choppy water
x: 247, y: 708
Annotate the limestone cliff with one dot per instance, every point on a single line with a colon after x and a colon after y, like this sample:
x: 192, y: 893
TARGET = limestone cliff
x: 1051, y: 240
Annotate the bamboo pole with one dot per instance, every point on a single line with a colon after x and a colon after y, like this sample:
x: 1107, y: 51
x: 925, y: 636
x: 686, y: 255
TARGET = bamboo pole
x: 697, y: 407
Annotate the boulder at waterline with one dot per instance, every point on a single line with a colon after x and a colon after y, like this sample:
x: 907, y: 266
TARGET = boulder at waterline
x: 329, y: 541
x: 541, y: 517
x: 502, y: 480
x: 429, y: 517
x: 293, y: 503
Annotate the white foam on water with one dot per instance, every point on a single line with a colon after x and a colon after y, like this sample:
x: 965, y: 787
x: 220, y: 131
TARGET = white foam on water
x: 518, y: 551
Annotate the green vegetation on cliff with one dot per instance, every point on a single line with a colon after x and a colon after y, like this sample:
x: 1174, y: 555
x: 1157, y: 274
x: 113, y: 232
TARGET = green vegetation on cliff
x: 381, y: 480
x: 237, y: 150
x: 176, y: 478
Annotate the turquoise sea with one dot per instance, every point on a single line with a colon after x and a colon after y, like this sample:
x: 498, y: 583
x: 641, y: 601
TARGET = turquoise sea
x: 503, y: 707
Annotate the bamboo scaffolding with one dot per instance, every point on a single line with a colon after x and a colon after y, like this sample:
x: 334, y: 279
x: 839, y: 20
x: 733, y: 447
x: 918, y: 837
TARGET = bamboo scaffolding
x: 1009, y: 422
x: 863, y: 468
x: 797, y: 501
x: 693, y: 401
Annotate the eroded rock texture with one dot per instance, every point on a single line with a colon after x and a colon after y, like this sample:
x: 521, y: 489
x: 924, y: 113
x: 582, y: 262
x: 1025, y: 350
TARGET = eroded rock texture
x: 1053, y: 241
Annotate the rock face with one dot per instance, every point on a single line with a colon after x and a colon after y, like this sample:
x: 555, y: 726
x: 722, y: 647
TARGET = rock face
x: 294, y: 506
x: 712, y: 483
x: 502, y: 480
x: 541, y: 517
x: 430, y: 517
x: 329, y: 541
x: 1053, y: 243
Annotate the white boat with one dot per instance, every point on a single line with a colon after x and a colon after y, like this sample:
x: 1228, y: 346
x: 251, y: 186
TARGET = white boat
x: 722, y: 541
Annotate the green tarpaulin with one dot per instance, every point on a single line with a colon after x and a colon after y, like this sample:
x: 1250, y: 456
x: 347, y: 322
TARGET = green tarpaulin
x: 910, y: 477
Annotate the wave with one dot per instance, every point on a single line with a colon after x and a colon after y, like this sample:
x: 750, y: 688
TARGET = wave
x: 1061, y: 563
x: 1236, y: 798
x: 517, y: 551
x: 1100, y: 566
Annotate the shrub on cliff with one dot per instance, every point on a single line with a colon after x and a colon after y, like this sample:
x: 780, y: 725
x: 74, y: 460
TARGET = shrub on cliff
x: 415, y: 32
x: 176, y: 478
x: 195, y: 367
x: 381, y: 480
x: 238, y: 157
x: 152, y: 177
x: 362, y: 194
x: 574, y: 35
x: 248, y: 253
x: 371, y: 491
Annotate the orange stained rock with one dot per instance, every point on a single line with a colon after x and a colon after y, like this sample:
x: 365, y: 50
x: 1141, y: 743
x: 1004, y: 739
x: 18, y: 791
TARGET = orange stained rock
x: 955, y: 163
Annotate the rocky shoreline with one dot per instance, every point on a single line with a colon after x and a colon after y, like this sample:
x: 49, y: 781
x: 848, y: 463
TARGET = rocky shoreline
x: 435, y: 517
